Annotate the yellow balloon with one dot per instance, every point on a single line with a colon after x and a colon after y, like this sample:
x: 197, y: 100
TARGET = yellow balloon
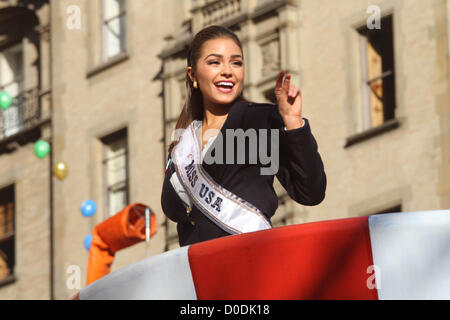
x: 60, y: 170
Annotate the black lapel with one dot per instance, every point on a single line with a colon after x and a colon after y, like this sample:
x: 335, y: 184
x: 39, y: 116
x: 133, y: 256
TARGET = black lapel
x: 234, y: 120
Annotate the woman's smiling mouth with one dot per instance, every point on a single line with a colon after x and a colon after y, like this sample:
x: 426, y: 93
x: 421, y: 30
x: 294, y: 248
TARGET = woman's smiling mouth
x: 224, y: 86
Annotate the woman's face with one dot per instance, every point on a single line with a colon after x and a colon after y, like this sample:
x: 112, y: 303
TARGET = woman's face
x: 219, y: 72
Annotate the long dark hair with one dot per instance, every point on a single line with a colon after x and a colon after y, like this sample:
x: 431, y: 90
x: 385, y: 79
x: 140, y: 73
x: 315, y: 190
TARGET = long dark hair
x: 193, y: 104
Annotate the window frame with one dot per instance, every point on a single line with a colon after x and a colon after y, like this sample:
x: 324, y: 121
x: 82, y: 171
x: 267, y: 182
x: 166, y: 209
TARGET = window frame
x: 103, y: 32
x: 361, y: 131
x: 10, y: 236
x: 106, y: 142
x: 19, y: 47
x: 366, y: 87
x: 20, y: 81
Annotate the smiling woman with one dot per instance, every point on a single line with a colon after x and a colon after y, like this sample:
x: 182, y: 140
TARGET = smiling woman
x: 219, y: 74
x: 229, y: 78
x: 211, y: 200
x: 214, y: 78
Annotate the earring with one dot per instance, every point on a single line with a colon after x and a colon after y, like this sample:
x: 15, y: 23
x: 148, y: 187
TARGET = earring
x: 195, y: 85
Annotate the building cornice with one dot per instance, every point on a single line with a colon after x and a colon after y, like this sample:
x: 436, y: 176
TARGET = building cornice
x: 179, y: 43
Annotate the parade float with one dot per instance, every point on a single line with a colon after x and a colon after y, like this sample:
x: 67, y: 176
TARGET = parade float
x: 403, y: 255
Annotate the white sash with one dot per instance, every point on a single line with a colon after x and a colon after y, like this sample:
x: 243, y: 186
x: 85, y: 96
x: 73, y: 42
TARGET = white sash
x: 227, y: 210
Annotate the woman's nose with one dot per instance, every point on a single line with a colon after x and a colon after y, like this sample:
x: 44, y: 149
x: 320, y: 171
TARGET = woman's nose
x: 226, y: 70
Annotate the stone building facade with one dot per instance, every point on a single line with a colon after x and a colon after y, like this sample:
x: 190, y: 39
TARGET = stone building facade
x: 24, y: 179
x: 103, y: 82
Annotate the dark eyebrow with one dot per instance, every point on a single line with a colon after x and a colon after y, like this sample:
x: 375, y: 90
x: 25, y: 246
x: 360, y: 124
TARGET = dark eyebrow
x: 221, y: 56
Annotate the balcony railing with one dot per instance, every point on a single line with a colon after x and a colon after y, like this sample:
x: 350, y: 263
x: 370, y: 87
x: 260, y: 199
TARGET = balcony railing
x: 216, y: 11
x: 23, y: 113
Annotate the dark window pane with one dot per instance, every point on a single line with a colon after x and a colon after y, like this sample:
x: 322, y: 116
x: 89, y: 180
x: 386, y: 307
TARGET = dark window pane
x: 6, y: 232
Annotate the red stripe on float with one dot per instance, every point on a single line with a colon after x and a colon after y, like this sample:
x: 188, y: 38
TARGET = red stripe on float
x: 321, y: 260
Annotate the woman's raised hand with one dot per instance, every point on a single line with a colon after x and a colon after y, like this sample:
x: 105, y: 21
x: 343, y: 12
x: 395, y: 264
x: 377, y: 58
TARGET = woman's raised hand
x: 289, y: 99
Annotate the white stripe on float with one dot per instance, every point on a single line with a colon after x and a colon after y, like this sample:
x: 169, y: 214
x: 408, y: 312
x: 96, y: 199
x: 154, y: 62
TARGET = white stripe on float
x: 412, y: 253
x: 164, y: 276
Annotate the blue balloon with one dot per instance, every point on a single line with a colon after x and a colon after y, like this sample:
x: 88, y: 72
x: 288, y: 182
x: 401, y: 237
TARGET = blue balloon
x: 88, y: 208
x: 87, y: 242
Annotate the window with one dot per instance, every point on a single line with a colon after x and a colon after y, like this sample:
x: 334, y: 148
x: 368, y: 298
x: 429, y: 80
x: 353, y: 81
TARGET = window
x: 113, y: 28
x: 11, y: 81
x: 377, y: 65
x: 6, y: 234
x: 115, y: 163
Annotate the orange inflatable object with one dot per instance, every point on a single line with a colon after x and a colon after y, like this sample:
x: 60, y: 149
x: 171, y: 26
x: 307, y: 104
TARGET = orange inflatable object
x: 120, y: 231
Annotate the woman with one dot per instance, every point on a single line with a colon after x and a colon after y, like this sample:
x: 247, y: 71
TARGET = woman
x: 211, y: 199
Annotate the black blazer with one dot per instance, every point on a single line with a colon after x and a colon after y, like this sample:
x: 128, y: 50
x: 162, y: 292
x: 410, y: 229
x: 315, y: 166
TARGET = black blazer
x: 301, y: 173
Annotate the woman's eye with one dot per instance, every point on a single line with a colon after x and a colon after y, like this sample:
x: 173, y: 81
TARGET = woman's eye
x: 215, y: 62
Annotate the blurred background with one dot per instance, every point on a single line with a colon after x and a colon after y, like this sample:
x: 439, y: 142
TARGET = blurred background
x: 90, y: 91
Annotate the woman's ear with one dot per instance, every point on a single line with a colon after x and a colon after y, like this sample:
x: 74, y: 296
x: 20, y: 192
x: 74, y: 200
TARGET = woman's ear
x: 190, y: 73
